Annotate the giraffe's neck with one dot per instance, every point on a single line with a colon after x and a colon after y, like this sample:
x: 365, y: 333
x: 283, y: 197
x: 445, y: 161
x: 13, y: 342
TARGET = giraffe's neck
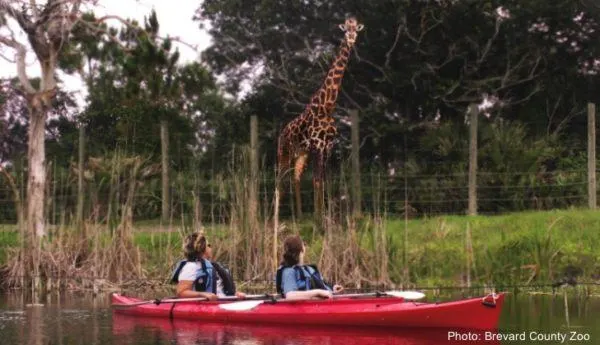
x: 323, y: 101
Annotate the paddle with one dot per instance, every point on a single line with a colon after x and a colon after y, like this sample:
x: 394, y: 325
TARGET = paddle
x: 249, y: 305
x: 407, y: 295
x: 191, y: 299
x: 252, y: 301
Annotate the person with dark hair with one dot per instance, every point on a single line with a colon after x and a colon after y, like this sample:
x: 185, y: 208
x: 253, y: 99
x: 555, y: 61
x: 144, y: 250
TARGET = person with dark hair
x: 197, y: 276
x: 295, y: 280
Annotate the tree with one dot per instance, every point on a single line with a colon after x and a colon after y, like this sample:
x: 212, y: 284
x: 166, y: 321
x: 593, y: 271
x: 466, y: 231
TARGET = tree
x: 418, y: 62
x: 137, y: 90
x: 47, y: 28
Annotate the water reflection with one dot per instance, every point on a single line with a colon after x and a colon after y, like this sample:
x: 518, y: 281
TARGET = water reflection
x: 63, y: 319
x: 183, y: 332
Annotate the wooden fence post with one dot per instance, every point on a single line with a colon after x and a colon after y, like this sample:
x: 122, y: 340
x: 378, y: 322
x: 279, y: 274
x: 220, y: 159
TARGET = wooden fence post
x: 473, y: 116
x: 253, y: 166
x: 253, y: 242
x: 356, y: 187
x: 80, y: 186
x: 164, y: 144
x: 592, y: 156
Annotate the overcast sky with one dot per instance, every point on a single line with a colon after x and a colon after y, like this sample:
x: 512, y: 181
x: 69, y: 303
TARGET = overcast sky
x: 174, y: 17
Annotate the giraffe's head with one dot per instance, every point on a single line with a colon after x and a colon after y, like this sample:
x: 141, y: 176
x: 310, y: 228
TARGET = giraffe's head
x: 351, y: 27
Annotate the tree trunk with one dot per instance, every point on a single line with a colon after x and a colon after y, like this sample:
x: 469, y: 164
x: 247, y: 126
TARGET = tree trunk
x: 36, y: 168
x: 36, y: 183
x: 164, y: 141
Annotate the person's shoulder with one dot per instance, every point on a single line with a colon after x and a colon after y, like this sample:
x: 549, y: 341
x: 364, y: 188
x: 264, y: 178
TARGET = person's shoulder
x: 189, y: 271
x: 191, y: 265
x: 288, y: 270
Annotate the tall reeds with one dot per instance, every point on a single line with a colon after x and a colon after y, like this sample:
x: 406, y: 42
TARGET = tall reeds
x: 351, y: 250
x: 104, y: 254
x: 235, y: 209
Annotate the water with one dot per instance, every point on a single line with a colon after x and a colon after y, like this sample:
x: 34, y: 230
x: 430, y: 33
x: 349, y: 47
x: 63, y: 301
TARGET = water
x: 78, y: 319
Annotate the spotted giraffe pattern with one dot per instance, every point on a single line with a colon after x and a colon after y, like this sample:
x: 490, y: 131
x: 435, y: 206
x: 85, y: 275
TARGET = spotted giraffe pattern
x: 314, y: 130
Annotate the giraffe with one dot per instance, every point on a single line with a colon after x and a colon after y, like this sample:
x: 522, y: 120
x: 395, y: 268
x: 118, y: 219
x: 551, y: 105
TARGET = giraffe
x: 314, y: 131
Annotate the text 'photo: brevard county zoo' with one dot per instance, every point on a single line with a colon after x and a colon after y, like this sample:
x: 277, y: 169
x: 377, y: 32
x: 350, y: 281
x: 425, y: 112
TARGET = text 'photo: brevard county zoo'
x: 278, y: 172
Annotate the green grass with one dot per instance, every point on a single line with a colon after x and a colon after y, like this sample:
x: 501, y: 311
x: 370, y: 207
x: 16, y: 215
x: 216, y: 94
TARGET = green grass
x: 160, y: 250
x: 507, y: 249
x: 8, y: 227
x: 8, y: 239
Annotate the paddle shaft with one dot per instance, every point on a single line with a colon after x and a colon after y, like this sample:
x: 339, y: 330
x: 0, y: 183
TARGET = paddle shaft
x: 367, y: 294
x: 266, y: 297
x: 190, y: 299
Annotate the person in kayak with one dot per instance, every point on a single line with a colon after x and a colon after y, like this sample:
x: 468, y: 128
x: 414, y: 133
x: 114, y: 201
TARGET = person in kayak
x: 294, y: 280
x: 197, y: 276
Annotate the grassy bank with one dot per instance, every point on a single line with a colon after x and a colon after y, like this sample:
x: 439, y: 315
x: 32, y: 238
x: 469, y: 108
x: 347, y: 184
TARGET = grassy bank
x: 519, y: 248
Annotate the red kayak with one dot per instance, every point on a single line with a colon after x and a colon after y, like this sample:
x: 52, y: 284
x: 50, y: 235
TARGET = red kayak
x: 474, y: 313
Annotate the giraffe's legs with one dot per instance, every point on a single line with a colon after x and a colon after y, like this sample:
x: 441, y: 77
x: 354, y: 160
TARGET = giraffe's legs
x: 299, y: 167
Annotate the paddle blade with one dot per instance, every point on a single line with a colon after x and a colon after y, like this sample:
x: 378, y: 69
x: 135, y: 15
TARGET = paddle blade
x: 407, y: 295
x: 240, y: 306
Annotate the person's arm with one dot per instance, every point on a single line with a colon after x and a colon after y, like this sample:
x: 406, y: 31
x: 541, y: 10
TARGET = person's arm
x: 316, y: 293
x: 184, y: 290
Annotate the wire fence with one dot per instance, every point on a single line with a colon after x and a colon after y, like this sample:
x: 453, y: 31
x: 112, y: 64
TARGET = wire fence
x: 415, y: 195
x: 429, y: 177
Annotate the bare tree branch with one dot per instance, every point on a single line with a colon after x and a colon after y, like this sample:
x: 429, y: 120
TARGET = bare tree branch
x: 20, y: 54
x: 372, y: 64
x: 489, y: 42
x: 424, y: 29
x: 352, y: 101
x: 6, y: 58
x: 75, y: 9
x: 388, y: 55
x: 24, y: 22
x: 567, y: 119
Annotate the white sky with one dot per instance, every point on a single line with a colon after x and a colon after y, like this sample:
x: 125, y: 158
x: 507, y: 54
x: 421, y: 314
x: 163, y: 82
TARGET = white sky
x: 174, y: 17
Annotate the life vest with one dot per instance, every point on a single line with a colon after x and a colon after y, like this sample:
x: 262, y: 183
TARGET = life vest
x: 226, y: 278
x: 206, y: 279
x: 308, y: 277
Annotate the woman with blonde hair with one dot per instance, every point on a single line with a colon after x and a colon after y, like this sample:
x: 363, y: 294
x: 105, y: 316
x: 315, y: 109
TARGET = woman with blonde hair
x: 198, y: 276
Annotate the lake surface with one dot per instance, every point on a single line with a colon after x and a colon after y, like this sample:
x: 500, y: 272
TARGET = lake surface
x: 81, y: 319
